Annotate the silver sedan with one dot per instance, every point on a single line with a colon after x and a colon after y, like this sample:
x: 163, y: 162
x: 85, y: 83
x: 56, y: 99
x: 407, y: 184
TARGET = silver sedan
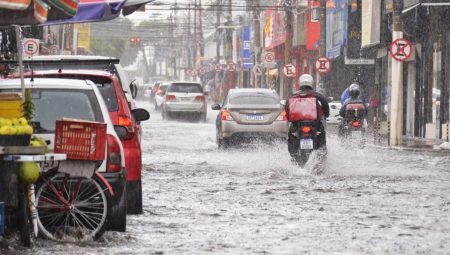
x: 250, y: 113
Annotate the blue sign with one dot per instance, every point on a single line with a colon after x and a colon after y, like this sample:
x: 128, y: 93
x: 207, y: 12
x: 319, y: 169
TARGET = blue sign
x: 247, y: 53
x: 337, y: 13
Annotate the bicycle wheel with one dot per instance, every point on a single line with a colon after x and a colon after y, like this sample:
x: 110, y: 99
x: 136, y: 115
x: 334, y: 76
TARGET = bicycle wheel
x: 71, y: 208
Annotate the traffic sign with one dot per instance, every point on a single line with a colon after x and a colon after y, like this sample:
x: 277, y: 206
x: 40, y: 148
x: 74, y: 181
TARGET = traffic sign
x: 257, y: 70
x: 231, y: 67
x: 290, y: 70
x: 53, y: 50
x: 269, y: 56
x: 323, y: 65
x: 31, y: 47
x: 401, y: 49
x: 218, y: 67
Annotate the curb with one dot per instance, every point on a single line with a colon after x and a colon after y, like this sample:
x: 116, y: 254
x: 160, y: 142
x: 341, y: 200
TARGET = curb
x: 411, y: 149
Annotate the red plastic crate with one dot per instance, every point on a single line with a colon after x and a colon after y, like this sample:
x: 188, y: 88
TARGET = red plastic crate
x: 81, y: 140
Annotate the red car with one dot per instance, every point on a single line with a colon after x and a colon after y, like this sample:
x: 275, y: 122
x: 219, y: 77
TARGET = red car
x: 121, y: 114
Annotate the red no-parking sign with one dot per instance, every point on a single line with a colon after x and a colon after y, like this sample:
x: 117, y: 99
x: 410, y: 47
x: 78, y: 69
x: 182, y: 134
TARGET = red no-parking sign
x: 401, y: 49
x: 323, y: 65
x: 290, y: 70
x: 218, y: 67
x: 231, y: 67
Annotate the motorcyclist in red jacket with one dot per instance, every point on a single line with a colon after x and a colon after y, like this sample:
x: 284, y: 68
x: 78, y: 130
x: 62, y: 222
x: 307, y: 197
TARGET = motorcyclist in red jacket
x: 306, y: 91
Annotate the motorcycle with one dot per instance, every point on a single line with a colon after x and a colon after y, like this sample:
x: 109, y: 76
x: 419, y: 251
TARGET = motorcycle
x: 353, y: 128
x: 307, y: 138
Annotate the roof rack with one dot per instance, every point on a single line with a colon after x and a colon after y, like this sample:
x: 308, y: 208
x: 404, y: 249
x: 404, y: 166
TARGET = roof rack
x: 61, y: 64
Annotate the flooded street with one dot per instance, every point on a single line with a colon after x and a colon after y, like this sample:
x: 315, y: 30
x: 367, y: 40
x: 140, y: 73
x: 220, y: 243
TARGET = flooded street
x: 201, y: 200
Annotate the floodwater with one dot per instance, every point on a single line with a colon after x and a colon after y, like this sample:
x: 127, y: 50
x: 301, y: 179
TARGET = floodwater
x: 201, y: 200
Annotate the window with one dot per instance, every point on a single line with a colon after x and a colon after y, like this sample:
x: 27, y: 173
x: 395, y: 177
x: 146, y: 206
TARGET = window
x: 315, y: 14
x: 54, y: 104
x: 254, y: 98
x: 109, y: 95
x: 185, y: 88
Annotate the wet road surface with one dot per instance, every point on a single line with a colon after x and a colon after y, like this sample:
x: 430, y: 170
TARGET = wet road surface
x: 201, y: 200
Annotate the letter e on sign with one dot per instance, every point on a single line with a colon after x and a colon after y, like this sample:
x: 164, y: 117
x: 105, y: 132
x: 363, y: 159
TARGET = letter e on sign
x: 31, y: 47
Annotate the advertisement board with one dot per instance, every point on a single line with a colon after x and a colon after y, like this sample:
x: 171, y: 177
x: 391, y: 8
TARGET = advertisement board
x: 337, y: 12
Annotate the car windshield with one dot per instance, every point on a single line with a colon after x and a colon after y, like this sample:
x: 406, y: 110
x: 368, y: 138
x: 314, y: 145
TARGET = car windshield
x: 54, y: 104
x: 104, y: 84
x: 253, y: 98
x: 185, y: 88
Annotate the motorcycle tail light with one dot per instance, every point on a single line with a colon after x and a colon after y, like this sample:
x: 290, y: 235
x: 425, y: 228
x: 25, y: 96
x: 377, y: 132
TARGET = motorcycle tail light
x: 355, y: 124
x: 225, y: 115
x: 306, y: 129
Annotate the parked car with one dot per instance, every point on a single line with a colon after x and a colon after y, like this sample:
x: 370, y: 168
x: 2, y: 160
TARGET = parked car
x: 185, y: 98
x: 250, y: 113
x: 121, y: 113
x: 87, y: 63
x: 80, y: 99
x: 160, y: 95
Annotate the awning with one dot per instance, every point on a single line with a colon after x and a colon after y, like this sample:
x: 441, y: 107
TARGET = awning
x: 425, y: 3
x: 32, y: 12
x: 53, y: 12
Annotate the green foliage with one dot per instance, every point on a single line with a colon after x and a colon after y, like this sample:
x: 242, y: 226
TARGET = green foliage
x: 28, y: 106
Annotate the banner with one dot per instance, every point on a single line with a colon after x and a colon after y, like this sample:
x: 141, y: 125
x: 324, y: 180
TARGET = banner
x: 371, y: 22
x: 354, y: 33
x: 84, y: 35
x: 336, y: 31
x: 247, y: 53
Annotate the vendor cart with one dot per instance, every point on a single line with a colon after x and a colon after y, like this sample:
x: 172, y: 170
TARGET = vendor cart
x: 15, y: 195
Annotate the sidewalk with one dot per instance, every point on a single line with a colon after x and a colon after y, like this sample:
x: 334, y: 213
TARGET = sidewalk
x: 417, y: 144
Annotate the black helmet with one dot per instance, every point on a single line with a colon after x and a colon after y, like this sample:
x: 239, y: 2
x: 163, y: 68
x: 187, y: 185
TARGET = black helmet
x: 354, y: 90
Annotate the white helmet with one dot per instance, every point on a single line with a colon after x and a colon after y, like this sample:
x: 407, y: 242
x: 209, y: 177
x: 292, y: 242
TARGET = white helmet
x: 306, y: 81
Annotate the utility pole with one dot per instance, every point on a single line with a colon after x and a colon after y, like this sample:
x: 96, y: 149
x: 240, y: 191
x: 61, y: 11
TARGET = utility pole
x: 194, y: 50
x: 218, y: 40
x: 217, y: 31
x: 285, y: 90
x: 396, y: 116
x: 189, y: 43
x: 174, y: 48
x: 229, y: 47
x: 257, y: 42
x: 323, y: 43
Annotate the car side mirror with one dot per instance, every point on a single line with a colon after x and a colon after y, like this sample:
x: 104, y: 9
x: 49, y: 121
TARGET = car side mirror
x: 140, y: 114
x: 283, y: 102
x: 121, y: 131
x: 133, y: 89
x: 215, y: 107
